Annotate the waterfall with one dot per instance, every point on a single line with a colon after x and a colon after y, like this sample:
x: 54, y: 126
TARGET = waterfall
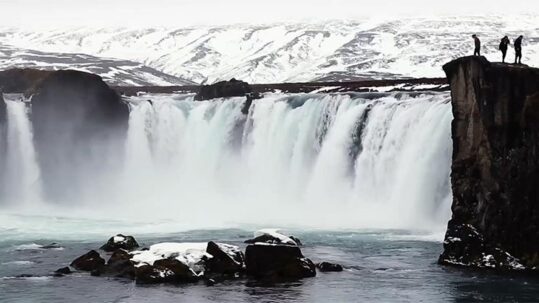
x: 340, y: 160
x: 357, y: 160
x: 21, y: 177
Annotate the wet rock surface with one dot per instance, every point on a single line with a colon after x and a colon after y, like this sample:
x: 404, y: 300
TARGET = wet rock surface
x: 495, y: 131
x: 329, y: 267
x: 276, y: 262
x: 89, y: 262
x: 209, y: 262
x: 226, y: 259
x: 120, y: 242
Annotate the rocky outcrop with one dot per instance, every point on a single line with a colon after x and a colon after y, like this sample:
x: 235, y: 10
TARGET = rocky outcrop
x: 90, y: 261
x: 273, y: 236
x: 495, y: 170
x: 329, y: 267
x: 277, y: 262
x: 210, y: 262
x: 226, y: 259
x: 3, y: 140
x: 224, y: 89
x: 79, y: 125
x: 168, y: 270
x: 120, y: 242
x: 21, y: 80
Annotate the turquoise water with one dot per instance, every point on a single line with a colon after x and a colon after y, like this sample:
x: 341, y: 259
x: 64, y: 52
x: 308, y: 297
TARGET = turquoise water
x: 381, y: 266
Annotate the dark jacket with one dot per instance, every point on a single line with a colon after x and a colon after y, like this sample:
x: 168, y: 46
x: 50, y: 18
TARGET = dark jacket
x: 477, y: 43
x: 504, y: 43
x: 518, y: 43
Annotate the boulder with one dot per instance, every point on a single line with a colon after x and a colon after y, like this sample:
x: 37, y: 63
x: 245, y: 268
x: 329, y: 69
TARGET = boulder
x: 224, y: 89
x: 272, y: 236
x: 226, y: 259
x: 329, y: 267
x: 165, y: 271
x: 120, y: 265
x: 495, y: 167
x: 79, y: 125
x: 89, y: 262
x: 277, y: 262
x: 120, y: 242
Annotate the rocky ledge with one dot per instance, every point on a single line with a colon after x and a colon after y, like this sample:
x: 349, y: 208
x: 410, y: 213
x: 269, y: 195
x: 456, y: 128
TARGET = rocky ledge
x: 270, y: 257
x: 495, y: 170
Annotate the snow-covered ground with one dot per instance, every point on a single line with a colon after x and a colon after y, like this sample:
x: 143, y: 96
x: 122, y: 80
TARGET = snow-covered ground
x: 338, y: 50
x: 113, y: 71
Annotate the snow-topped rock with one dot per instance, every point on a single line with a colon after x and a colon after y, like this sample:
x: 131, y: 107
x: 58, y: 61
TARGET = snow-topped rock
x: 225, y: 259
x: 120, y: 242
x: 190, y: 254
x: 273, y: 236
x: 465, y: 246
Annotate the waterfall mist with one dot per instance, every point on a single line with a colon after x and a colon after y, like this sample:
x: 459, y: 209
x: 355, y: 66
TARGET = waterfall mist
x: 308, y: 160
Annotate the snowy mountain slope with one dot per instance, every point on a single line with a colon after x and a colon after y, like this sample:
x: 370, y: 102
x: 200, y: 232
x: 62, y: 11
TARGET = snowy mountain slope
x: 338, y: 50
x: 113, y: 71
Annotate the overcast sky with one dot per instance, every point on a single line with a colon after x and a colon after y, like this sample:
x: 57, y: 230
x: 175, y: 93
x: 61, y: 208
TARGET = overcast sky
x: 195, y: 12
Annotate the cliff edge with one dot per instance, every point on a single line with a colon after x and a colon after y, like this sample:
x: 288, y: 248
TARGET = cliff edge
x: 495, y: 170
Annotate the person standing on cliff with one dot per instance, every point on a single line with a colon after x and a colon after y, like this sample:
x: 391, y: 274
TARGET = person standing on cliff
x: 477, y: 50
x: 518, y: 50
x: 503, y: 47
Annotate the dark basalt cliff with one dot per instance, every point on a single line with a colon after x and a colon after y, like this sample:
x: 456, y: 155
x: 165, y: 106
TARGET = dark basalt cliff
x: 79, y: 124
x: 20, y: 80
x: 495, y: 171
x: 3, y: 138
x: 224, y: 89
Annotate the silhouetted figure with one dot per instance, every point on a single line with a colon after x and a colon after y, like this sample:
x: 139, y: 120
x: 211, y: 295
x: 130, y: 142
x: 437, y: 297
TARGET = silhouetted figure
x: 518, y: 50
x: 477, y: 50
x: 504, y: 44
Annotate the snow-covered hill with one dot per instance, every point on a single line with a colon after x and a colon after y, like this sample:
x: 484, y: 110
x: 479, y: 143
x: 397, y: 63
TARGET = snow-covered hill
x: 113, y: 71
x: 339, y: 50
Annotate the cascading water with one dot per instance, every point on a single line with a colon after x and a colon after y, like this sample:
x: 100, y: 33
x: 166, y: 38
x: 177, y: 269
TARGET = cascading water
x: 21, y: 177
x: 370, y: 161
x: 325, y: 161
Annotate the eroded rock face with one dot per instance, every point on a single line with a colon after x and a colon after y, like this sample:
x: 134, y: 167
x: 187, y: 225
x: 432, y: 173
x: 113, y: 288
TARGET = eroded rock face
x: 79, y: 128
x: 495, y: 170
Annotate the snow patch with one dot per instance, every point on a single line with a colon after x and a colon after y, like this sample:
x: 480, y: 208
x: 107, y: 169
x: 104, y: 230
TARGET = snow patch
x: 190, y: 254
x: 118, y: 239
x: 276, y: 233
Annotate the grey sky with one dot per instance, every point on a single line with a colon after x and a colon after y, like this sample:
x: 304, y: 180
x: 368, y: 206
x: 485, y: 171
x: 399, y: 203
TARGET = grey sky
x: 193, y: 12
